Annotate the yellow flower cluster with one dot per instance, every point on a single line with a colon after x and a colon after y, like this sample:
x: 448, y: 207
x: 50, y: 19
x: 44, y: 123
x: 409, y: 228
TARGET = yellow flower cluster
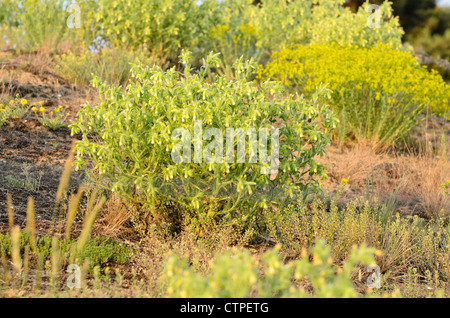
x: 384, y: 70
x: 55, y: 119
x: 12, y: 104
x: 58, y: 109
x: 218, y: 31
x: 15, y: 108
x: 248, y: 30
x: 41, y: 109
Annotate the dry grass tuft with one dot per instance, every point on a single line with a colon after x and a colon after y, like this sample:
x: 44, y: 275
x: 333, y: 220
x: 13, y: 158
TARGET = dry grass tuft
x: 415, y: 180
x: 114, y: 220
x: 422, y: 187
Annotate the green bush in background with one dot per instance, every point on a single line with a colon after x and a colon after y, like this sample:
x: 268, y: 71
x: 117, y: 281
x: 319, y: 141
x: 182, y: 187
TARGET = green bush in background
x: 245, y: 29
x: 160, y: 28
x: 31, y: 25
x: 163, y: 28
x: 378, y: 92
x: 111, y: 65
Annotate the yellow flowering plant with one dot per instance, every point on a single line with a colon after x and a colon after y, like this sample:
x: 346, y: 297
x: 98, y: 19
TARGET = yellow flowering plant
x: 256, y: 31
x: 3, y: 115
x: 159, y: 28
x: 446, y: 187
x: 378, y: 92
x: 239, y: 274
x: 55, y: 119
x: 15, y: 108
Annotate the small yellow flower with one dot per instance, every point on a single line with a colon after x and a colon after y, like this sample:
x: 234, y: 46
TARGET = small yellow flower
x: 33, y: 108
x: 344, y: 181
x: 42, y: 109
x: 23, y: 101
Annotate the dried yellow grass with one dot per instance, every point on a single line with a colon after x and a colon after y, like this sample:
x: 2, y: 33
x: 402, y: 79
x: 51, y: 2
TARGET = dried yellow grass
x: 417, y: 178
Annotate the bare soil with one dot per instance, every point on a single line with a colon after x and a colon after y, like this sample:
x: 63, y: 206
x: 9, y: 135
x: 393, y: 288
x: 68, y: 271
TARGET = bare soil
x: 32, y: 156
x: 31, y: 161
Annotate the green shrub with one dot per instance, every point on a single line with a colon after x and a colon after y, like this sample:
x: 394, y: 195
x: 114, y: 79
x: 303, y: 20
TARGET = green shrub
x: 14, y: 108
x: 129, y: 139
x: 161, y: 28
x: 111, y: 65
x: 236, y: 274
x: 31, y: 25
x: 245, y: 29
x: 436, y: 45
x: 378, y: 93
x: 331, y: 22
x: 434, y: 61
